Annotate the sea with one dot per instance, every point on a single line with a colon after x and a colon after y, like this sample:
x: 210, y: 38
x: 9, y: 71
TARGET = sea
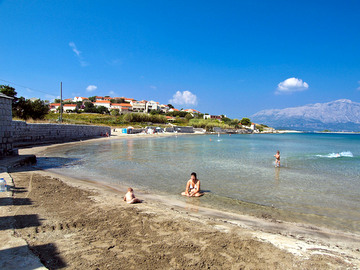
x: 318, y: 182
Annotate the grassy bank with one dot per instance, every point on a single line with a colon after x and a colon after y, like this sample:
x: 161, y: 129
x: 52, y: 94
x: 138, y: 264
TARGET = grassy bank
x: 136, y: 120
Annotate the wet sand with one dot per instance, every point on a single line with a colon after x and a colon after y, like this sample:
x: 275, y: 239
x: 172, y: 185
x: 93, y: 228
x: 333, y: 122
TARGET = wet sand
x: 80, y: 224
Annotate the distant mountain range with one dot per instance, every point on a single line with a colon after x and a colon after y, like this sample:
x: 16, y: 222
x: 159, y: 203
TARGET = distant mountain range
x: 339, y: 115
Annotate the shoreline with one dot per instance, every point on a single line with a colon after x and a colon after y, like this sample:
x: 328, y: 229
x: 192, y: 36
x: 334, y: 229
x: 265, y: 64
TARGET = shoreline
x: 306, y: 244
x: 297, y: 238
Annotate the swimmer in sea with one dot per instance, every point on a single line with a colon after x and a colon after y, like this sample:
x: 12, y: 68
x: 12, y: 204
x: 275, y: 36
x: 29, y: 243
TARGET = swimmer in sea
x: 192, y: 187
x: 277, y: 161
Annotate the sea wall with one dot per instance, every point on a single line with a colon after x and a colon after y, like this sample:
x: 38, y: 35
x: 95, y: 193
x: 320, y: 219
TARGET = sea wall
x: 25, y: 134
x: 180, y: 129
x: 6, y: 140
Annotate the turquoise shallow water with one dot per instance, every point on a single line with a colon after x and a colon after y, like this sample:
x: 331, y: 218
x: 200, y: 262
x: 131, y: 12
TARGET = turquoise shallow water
x: 318, y: 183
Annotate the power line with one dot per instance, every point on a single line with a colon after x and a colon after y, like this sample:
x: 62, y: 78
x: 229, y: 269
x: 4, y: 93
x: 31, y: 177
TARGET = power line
x: 27, y: 87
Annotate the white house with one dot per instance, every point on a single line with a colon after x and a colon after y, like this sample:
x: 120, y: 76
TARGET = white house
x: 54, y: 106
x: 191, y: 111
x: 77, y: 99
x: 173, y: 110
x: 208, y: 116
x: 139, y: 106
x: 105, y: 103
x: 122, y: 107
x: 152, y: 105
x: 164, y: 108
x: 69, y: 107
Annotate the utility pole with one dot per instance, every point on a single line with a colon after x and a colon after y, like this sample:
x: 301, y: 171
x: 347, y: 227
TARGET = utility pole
x: 61, y: 107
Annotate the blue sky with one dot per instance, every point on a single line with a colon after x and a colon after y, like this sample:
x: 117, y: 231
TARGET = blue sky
x: 220, y: 57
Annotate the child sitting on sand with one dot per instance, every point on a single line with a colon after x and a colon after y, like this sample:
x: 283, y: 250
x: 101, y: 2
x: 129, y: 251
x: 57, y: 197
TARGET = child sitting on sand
x: 130, y: 197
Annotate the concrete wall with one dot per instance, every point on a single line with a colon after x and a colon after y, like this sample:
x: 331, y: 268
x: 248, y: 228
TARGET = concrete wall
x: 6, y: 144
x: 32, y: 134
x: 180, y: 129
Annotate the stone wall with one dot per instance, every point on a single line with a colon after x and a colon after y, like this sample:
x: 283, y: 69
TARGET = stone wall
x: 32, y: 134
x: 6, y: 144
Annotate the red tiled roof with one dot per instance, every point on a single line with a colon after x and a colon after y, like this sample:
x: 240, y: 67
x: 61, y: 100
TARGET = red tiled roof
x: 122, y: 104
x: 54, y: 104
x: 102, y: 101
x: 69, y: 105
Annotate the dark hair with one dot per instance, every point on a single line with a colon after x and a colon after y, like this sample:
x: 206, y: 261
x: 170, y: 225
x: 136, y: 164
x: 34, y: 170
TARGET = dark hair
x: 194, y: 174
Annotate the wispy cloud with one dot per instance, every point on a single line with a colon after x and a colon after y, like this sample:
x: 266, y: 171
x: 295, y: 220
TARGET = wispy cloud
x: 112, y: 93
x: 153, y: 87
x: 358, y: 86
x: 184, y: 98
x: 291, y: 85
x: 91, y: 88
x: 78, y: 54
x: 51, y: 97
x: 114, y: 62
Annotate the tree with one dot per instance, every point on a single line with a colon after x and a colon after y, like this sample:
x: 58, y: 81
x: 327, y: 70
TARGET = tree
x: 26, y: 109
x: 245, y: 121
x: 154, y: 112
x: 57, y: 100
x: 114, y: 112
x: 90, y: 107
x: 170, y: 106
x: 102, y: 109
x: 226, y: 120
x: 92, y: 99
x: 235, y: 122
x: 10, y: 92
x: 189, y: 116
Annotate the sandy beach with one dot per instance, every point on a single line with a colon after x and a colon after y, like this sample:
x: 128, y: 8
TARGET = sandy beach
x: 76, y: 224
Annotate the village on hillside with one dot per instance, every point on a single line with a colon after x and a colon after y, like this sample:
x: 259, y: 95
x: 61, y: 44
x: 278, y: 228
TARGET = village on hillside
x: 123, y: 105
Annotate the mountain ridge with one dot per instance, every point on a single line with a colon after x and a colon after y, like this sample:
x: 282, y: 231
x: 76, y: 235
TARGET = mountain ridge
x: 338, y: 115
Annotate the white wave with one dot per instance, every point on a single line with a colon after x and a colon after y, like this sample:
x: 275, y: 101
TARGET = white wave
x: 337, y: 155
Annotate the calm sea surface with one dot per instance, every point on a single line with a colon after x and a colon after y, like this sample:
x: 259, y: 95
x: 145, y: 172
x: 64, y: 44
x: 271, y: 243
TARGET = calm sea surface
x: 318, y: 182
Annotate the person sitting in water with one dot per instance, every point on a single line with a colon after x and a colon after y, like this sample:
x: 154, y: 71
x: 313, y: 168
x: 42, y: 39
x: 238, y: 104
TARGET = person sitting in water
x: 277, y: 161
x: 130, y: 197
x: 193, y: 187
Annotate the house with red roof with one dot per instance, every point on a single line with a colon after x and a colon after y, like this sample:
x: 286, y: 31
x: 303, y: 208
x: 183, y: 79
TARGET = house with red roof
x: 164, y: 108
x: 54, y: 106
x: 105, y: 103
x: 152, y: 105
x: 77, y: 99
x: 139, y: 106
x: 69, y: 107
x: 173, y: 110
x: 122, y: 107
x: 192, y: 111
x: 170, y: 118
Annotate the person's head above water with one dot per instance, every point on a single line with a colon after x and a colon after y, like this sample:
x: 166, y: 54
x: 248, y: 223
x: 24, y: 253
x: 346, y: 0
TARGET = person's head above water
x: 193, y: 176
